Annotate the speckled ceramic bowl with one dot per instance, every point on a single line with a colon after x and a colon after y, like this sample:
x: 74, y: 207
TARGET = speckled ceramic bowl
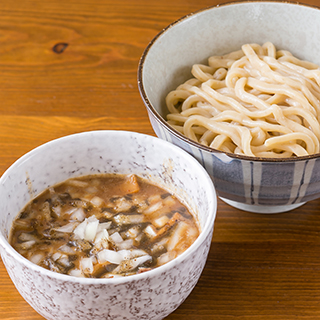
x: 251, y: 184
x: 150, y: 295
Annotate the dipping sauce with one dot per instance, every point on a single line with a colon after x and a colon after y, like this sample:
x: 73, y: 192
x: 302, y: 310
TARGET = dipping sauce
x: 103, y: 226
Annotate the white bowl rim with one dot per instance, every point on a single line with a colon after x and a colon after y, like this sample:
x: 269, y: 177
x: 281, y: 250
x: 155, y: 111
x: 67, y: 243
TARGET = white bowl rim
x: 5, y: 245
x: 177, y: 134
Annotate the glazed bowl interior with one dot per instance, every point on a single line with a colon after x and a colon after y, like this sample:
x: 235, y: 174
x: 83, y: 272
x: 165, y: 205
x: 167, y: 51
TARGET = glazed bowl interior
x: 57, y: 296
x: 264, y: 185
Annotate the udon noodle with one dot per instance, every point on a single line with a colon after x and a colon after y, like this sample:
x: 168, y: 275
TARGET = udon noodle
x: 257, y: 101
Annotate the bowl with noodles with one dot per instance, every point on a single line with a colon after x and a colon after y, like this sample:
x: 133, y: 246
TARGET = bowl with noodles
x: 237, y: 86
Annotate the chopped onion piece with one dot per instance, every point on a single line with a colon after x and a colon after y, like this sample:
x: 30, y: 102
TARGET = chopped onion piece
x: 159, y: 246
x: 57, y: 210
x: 91, y: 228
x: 51, y: 190
x: 127, y: 265
x: 139, y: 237
x: 77, y: 183
x: 192, y: 233
x: 27, y: 244
x: 80, y: 229
x: 56, y: 256
x: 115, y: 237
x: 175, y: 218
x: 97, y: 201
x: 153, y: 208
x: 66, y: 249
x: 102, y: 239
x: 27, y: 237
x: 128, y: 218
x: 86, y: 265
x: 140, y: 260
x: 150, y: 231
x: 71, y: 210
x: 160, y: 222
x: 91, y: 189
x: 87, y: 229
x: 140, y: 204
x: 133, y: 232
x: 36, y: 258
x: 80, y: 203
x: 107, y: 214
x: 122, y: 205
x: 111, y: 256
x: 133, y: 253
x: 78, y: 215
x: 102, y: 235
x: 104, y: 225
x: 169, y: 201
x: 68, y: 228
x: 178, y: 235
x: 64, y: 261
x: 76, y: 273
x: 155, y: 198
x: 126, y: 244
x: 94, y: 259
x: 166, y: 257
x: 25, y: 224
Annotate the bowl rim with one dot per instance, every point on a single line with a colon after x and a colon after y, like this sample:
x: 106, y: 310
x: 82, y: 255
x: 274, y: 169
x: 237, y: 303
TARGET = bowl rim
x: 205, y: 231
x: 176, y: 133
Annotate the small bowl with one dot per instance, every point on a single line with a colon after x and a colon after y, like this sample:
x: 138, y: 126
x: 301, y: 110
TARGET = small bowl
x: 149, y: 295
x: 261, y: 185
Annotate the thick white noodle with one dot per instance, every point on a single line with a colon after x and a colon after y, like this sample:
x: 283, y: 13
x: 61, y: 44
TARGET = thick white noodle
x: 257, y: 101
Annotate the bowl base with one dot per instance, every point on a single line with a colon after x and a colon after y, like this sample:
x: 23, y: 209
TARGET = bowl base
x: 261, y: 208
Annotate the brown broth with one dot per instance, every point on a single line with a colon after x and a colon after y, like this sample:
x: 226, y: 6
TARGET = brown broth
x: 103, y: 226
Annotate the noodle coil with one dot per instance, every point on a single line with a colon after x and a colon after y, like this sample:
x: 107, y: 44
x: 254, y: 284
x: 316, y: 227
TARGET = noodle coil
x: 257, y: 101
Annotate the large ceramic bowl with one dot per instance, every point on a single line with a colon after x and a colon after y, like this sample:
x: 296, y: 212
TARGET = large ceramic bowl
x: 252, y: 184
x: 150, y: 295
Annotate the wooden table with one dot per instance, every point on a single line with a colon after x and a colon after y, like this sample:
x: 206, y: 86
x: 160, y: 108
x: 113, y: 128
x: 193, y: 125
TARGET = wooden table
x: 71, y: 66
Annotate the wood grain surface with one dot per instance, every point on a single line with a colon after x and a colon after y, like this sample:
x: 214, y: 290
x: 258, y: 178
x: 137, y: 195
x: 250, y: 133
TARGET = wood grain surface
x: 71, y: 66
